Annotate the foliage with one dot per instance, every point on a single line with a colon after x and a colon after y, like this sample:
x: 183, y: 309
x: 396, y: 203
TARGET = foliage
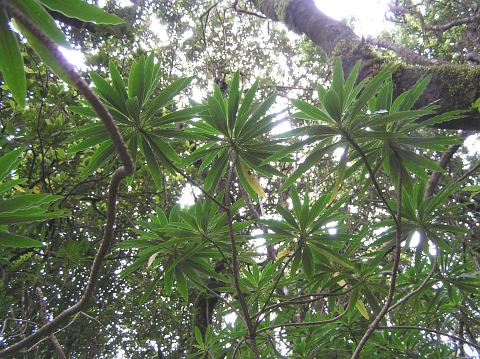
x: 285, y: 249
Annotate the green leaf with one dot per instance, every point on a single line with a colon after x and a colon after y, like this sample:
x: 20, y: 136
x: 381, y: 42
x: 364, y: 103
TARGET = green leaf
x: 338, y: 81
x: 233, y: 101
x: 117, y: 80
x: 16, y: 241
x: 37, y: 13
x: 44, y: 53
x: 136, y: 80
x: 182, y: 285
x: 373, y: 86
x: 24, y: 201
x: 9, y: 161
x: 333, y: 105
x: 102, y: 155
x: 307, y: 261
x: 167, y: 95
x: 83, y: 11
x: 152, y: 164
x: 11, y: 61
x: 333, y: 256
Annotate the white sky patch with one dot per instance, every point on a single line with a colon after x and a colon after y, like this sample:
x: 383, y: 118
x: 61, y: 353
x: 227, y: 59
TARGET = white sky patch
x: 75, y: 57
x: 121, y: 3
x: 188, y: 195
x: 369, y: 15
x: 159, y: 30
x: 472, y: 143
x: 415, y: 240
x: 258, y: 241
x: 338, y: 153
x: 281, y: 127
x: 230, y: 318
x: 332, y: 227
x: 198, y: 94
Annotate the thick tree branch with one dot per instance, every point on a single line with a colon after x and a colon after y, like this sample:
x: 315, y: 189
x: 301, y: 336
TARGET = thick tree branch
x: 453, y: 86
x: 408, y: 55
x: 118, y: 175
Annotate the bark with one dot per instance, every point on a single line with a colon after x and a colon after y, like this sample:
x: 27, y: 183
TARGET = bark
x: 453, y: 86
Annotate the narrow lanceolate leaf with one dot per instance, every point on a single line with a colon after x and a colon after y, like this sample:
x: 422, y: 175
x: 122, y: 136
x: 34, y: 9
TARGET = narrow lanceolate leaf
x: 11, y: 61
x: 40, y: 16
x: 44, y: 53
x: 81, y: 10
x: 16, y: 241
x: 333, y: 256
x: 9, y: 162
x: 362, y: 309
x: 252, y: 179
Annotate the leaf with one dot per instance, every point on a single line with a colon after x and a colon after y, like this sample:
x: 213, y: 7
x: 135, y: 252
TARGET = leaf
x: 9, y: 161
x: 362, y: 309
x: 335, y: 257
x: 44, y: 53
x: 333, y: 105
x: 11, y: 61
x: 167, y: 95
x: 40, y: 16
x: 16, y: 241
x: 182, y: 285
x: 252, y: 179
x: 81, y: 10
x: 151, y: 259
x: 307, y: 261
x: 373, y: 86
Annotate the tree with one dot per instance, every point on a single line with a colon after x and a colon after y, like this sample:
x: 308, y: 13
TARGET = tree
x: 370, y: 247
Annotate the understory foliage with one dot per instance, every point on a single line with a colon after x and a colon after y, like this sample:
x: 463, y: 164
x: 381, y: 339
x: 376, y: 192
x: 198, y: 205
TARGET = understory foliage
x: 294, y: 244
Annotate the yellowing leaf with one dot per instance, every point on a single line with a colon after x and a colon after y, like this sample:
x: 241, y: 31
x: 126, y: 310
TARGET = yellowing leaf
x: 252, y: 179
x: 36, y: 189
x: 152, y: 258
x: 19, y: 188
x: 286, y: 251
x: 361, y: 308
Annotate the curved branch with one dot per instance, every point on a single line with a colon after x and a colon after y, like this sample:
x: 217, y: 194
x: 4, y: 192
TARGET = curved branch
x: 121, y: 172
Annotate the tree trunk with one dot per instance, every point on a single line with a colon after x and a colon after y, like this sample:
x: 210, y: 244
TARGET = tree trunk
x: 453, y: 86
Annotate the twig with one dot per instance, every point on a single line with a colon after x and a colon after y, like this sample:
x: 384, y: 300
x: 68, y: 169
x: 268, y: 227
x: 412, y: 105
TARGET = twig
x: 118, y: 175
x: 400, y: 10
x: 304, y: 324
x: 393, y: 280
x: 430, y: 330
x: 435, y: 176
x: 275, y: 284
x: 235, y: 264
x: 416, y: 290
x: 241, y: 11
x: 43, y: 313
x: 371, y: 173
x: 470, y: 172
x: 297, y: 300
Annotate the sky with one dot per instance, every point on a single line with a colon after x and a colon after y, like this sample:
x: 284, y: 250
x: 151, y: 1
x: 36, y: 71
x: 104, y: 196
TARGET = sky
x: 369, y: 15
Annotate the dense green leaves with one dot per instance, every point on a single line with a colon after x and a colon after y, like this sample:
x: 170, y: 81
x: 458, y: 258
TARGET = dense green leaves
x: 21, y: 208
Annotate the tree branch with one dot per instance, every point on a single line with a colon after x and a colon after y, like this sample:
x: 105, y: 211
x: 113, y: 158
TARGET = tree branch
x: 393, y: 280
x: 44, y: 315
x: 404, y: 52
x: 429, y: 330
